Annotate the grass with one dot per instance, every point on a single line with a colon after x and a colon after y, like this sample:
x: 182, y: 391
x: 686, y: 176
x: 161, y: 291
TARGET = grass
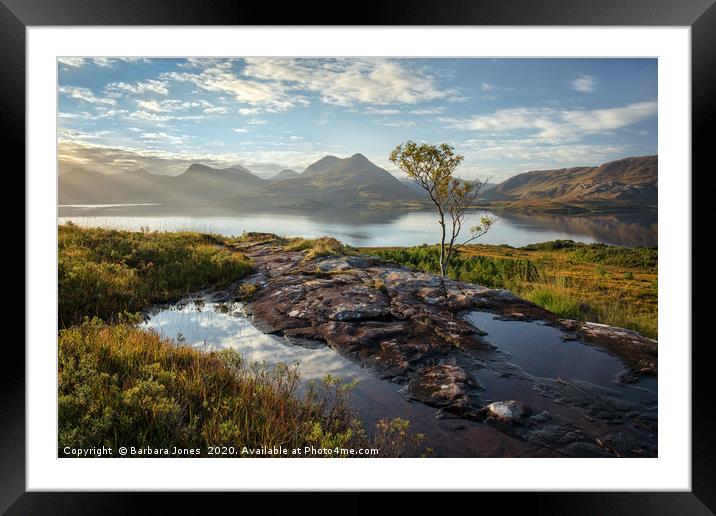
x: 120, y: 385
x: 317, y: 247
x: 592, y: 282
x: 105, y: 272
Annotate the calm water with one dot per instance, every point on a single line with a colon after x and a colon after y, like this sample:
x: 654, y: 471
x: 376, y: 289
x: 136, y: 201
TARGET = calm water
x: 537, y: 350
x: 374, y: 227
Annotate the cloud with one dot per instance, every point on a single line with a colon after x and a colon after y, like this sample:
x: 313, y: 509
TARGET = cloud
x: 103, y: 112
x: 216, y: 110
x: 397, y: 123
x: 169, y: 105
x: 103, y: 62
x: 149, y: 115
x: 550, y: 123
x: 161, y: 137
x: 346, y: 82
x: 240, y: 130
x: 584, y: 83
x: 538, y: 150
x: 72, y: 135
x: 71, y: 62
x: 218, y: 76
x: 83, y: 115
x: 150, y: 105
x: 502, y: 158
x: 138, y: 88
x: 486, y: 86
x: 395, y: 111
x: 85, y: 95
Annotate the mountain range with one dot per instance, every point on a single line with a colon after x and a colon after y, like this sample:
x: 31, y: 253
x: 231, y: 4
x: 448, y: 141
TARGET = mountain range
x: 356, y: 181
x: 624, y: 182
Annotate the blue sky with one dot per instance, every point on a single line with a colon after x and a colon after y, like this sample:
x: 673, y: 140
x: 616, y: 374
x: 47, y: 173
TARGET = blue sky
x: 504, y: 115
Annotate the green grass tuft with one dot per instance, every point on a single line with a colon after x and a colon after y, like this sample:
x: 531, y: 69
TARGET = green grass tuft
x: 124, y: 386
x: 104, y: 272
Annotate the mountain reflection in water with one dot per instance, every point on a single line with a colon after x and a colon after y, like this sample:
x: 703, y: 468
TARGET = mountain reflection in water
x: 374, y: 227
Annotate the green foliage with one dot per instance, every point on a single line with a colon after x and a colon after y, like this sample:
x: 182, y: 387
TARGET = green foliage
x: 638, y: 257
x: 485, y: 270
x: 122, y: 386
x: 641, y: 257
x: 247, y: 291
x: 317, y: 247
x: 547, y: 274
x: 431, y: 167
x: 104, y: 272
x: 557, y: 302
x: 552, y: 245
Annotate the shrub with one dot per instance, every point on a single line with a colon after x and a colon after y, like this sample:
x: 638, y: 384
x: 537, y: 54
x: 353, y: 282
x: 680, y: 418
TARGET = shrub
x: 104, y: 272
x: 123, y: 386
x: 484, y: 270
x: 638, y: 257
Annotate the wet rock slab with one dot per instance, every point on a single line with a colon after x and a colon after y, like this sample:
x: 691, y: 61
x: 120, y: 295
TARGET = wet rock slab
x: 409, y: 327
x: 444, y: 386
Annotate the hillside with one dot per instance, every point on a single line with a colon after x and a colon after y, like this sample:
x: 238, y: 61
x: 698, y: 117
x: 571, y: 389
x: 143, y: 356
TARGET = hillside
x: 197, y: 184
x: 420, y: 191
x: 82, y: 186
x: 202, y: 182
x: 286, y: 173
x: 331, y: 182
x: 625, y: 182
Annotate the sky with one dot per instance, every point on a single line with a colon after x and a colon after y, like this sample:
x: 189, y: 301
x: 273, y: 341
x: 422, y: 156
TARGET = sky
x: 505, y: 116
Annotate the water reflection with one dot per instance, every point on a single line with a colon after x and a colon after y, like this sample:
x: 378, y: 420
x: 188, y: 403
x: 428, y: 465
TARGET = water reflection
x: 374, y: 227
x: 209, y: 326
x: 540, y: 351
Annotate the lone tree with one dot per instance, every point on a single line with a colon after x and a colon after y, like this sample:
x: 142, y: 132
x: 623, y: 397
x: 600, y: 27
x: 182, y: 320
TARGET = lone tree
x: 432, y: 168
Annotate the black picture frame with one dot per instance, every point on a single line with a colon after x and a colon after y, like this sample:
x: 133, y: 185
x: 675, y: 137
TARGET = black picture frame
x: 17, y: 15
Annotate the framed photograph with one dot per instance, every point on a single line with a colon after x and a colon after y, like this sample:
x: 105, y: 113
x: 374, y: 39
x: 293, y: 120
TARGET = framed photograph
x: 454, y: 242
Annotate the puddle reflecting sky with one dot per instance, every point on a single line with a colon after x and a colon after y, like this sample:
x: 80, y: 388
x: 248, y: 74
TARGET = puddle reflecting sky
x: 537, y: 349
x: 540, y: 351
x: 208, y: 328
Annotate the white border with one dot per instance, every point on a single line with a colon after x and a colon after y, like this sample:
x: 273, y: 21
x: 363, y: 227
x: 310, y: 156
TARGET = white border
x: 670, y: 471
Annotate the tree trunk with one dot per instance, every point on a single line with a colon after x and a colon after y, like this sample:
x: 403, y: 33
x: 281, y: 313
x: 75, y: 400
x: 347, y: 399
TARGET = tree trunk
x: 442, y: 245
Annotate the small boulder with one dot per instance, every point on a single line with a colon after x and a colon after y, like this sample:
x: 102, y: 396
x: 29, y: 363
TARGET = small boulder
x: 441, y: 385
x: 508, y: 411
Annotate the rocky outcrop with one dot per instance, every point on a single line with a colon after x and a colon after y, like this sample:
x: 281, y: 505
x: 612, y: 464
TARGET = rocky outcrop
x: 393, y: 320
x: 410, y: 328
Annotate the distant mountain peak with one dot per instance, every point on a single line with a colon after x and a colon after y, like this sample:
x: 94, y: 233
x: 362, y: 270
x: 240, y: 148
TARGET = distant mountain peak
x: 323, y: 164
x: 359, y: 158
x: 198, y: 166
x: 286, y: 173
